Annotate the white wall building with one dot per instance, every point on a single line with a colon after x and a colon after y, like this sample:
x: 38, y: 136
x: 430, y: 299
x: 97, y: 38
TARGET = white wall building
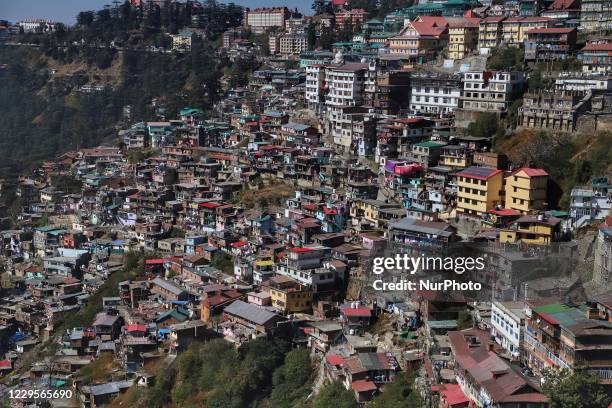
x: 491, y: 91
x: 434, y: 94
x: 507, y: 320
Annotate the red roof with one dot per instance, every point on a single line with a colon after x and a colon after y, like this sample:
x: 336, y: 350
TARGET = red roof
x: 505, y: 212
x: 310, y: 206
x: 238, y: 244
x: 210, y: 205
x: 334, y: 359
x: 135, y: 327
x: 553, y: 30
x: 300, y: 250
x: 548, y: 318
x: 5, y: 363
x: 598, y: 47
x: 158, y: 261
x: 363, y: 386
x: 357, y: 311
x: 428, y: 29
x: 453, y: 395
x: 531, y: 172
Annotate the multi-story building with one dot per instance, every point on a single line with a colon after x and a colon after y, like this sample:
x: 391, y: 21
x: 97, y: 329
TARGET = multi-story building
x: 36, y: 25
x: 182, y: 41
x: 260, y: 20
x: 346, y: 83
x: 455, y: 157
x: 549, y: 44
x: 292, y: 44
x: 426, y: 153
x: 420, y: 40
x: 490, y: 91
x: 434, y: 94
x: 559, y: 335
x: 387, y: 88
x: 532, y: 229
x: 353, y: 129
x: 462, y: 37
x: 315, y: 87
x: 489, y: 33
x: 350, y: 19
x: 287, y: 295
x: 310, y: 266
x: 595, y: 15
x: 602, y: 268
x: 274, y: 43
x: 231, y: 35
x: 526, y: 190
x: 487, y: 379
x: 480, y: 189
x: 515, y: 28
x: 596, y: 57
x: 553, y: 110
x: 507, y: 321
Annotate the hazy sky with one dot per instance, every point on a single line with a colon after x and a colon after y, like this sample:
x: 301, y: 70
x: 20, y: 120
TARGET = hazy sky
x: 66, y: 10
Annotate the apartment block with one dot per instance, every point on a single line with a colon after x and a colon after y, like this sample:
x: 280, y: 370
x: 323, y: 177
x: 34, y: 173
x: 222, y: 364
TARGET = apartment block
x: 434, y: 94
x: 479, y: 190
x: 462, y: 37
x: 489, y: 33
x: 559, y: 335
x: 490, y: 91
x: 526, y: 190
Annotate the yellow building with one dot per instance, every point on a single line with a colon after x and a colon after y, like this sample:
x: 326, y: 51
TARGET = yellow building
x: 182, y: 41
x: 490, y: 33
x: 532, y: 229
x: 455, y: 157
x: 287, y: 295
x: 370, y: 210
x: 526, y: 190
x: 514, y: 29
x: 480, y: 189
x: 462, y: 37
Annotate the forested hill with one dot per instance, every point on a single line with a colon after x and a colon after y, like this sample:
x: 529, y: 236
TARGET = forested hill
x: 43, y: 109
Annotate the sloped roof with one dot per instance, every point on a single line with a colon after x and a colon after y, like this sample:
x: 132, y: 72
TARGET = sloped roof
x: 250, y: 312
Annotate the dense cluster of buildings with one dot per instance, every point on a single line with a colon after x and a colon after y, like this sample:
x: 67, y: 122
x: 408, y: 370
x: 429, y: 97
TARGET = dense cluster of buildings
x: 262, y: 217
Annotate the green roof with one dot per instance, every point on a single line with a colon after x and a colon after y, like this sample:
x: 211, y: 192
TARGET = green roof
x: 189, y: 111
x: 442, y: 324
x: 374, y: 21
x: 552, y: 308
x: 430, y: 144
x: 47, y: 228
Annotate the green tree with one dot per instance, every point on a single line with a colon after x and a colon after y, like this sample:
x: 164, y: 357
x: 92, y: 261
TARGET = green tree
x: 506, y: 58
x: 334, y: 395
x: 399, y: 393
x: 574, y: 390
x: 535, y: 82
x: 311, y: 35
x: 292, y: 380
x: 485, y: 126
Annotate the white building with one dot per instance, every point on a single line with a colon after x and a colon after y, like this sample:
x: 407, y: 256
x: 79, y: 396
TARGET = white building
x: 507, y: 320
x: 346, y: 83
x: 602, y: 268
x: 293, y: 44
x: 491, y: 91
x: 434, y: 94
x: 262, y: 19
x: 38, y: 24
x: 315, y: 80
x: 310, y: 266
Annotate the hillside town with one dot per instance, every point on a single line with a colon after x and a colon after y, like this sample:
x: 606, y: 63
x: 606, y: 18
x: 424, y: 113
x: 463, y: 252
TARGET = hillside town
x: 261, y: 218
